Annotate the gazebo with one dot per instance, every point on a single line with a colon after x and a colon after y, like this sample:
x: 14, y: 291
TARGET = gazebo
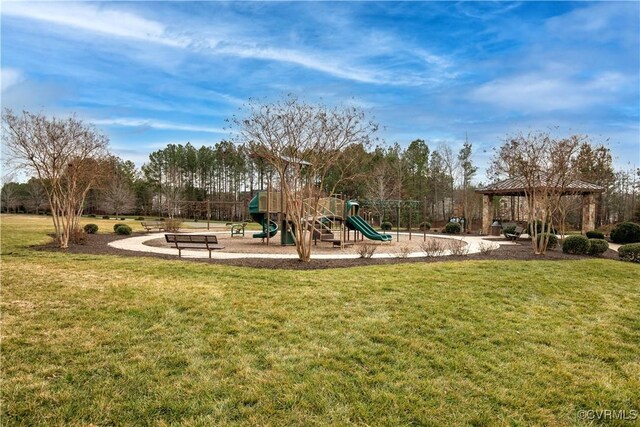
x: 517, y: 187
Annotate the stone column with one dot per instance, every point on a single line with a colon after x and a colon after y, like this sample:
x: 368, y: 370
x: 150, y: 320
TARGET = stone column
x: 588, y: 213
x: 487, y: 213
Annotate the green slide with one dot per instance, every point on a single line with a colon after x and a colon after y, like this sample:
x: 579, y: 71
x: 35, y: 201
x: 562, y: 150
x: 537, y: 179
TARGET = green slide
x: 270, y: 227
x: 354, y: 222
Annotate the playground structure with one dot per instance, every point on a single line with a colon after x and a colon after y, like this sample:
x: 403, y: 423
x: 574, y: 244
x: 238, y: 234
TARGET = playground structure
x: 330, y: 219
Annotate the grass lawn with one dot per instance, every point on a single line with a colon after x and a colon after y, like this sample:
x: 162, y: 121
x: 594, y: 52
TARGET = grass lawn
x: 110, y: 340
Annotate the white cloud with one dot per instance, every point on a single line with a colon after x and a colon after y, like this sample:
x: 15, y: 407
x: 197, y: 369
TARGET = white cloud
x: 10, y: 77
x: 548, y: 92
x: 94, y: 18
x: 156, y: 124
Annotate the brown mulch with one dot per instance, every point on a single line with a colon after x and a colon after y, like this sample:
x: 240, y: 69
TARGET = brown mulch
x: 97, y: 244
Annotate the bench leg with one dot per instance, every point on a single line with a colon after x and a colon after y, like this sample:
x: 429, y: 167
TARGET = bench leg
x: 179, y: 253
x: 209, y: 253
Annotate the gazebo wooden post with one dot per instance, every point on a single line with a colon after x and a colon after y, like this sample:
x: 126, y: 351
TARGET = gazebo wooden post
x: 487, y: 209
x: 588, y: 212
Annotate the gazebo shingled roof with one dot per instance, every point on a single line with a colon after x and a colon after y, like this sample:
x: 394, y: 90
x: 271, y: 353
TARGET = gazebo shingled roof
x: 516, y: 187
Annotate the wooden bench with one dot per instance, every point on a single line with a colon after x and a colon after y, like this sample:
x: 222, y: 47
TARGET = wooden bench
x: 516, y: 233
x: 193, y: 241
x: 150, y: 225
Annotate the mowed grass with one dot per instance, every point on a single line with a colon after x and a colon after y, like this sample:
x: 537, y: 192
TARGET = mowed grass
x: 117, y: 340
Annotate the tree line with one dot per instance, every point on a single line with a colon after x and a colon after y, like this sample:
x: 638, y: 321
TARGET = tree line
x: 178, y: 179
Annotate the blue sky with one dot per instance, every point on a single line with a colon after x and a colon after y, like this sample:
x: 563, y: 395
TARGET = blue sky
x: 153, y: 73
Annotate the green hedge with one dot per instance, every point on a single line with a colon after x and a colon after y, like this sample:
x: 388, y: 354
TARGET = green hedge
x: 630, y: 252
x: 597, y: 247
x: 595, y: 234
x: 122, y: 229
x: 452, y: 228
x: 577, y: 245
x: 90, y: 228
x: 626, y: 232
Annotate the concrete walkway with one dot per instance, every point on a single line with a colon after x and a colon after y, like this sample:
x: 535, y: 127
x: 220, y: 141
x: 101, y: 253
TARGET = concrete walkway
x: 136, y: 244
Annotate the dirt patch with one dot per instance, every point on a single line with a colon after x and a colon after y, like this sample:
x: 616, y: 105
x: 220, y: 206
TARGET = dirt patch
x: 98, y: 244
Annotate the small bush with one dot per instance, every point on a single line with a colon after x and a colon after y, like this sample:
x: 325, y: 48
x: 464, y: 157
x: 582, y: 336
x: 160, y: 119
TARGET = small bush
x: 366, y: 250
x: 538, y: 226
x: 77, y: 236
x: 597, y: 247
x: 123, y: 229
x: 425, y: 226
x: 626, y: 232
x: 595, y: 234
x: 91, y: 215
x: 510, y: 229
x: 140, y: 218
x: 486, y: 248
x: 452, y: 228
x: 386, y: 226
x: 577, y: 245
x: 91, y: 228
x: 122, y: 219
x: 458, y: 248
x: 403, y: 251
x: 630, y: 252
x: 433, y: 247
x: 552, y: 243
x: 172, y: 224
x: 106, y: 217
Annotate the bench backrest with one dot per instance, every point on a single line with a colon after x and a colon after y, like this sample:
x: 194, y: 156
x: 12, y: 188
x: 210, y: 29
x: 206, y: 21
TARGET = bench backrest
x: 518, y: 230
x: 151, y: 223
x: 191, y: 238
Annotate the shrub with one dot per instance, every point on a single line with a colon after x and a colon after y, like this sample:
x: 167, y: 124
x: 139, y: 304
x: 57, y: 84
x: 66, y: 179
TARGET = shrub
x: 91, y: 228
x: 538, y: 226
x: 123, y: 229
x: 595, y: 234
x: 386, y: 226
x: 577, y: 245
x: 510, y: 229
x: 486, y: 248
x: 458, y: 247
x: 626, y: 232
x: 172, y: 224
x: 630, y: 252
x: 366, y: 250
x: 425, y: 226
x: 106, y: 217
x: 140, y: 218
x: 403, y: 251
x: 77, y: 236
x: 122, y: 219
x: 433, y: 247
x: 452, y: 228
x: 552, y: 243
x: 597, y: 247
x: 91, y: 215
x: 115, y: 226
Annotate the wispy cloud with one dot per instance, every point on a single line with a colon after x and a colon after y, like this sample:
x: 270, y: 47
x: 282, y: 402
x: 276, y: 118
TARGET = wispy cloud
x: 156, y: 124
x: 10, y: 77
x: 95, y: 18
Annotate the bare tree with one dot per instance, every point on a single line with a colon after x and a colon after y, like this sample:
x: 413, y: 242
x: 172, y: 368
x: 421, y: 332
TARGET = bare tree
x: 9, y: 194
x: 116, y: 195
x: 546, y: 167
x: 303, y: 143
x: 65, y: 154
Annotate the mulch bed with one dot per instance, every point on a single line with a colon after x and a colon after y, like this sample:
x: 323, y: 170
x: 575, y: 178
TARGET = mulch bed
x: 97, y: 244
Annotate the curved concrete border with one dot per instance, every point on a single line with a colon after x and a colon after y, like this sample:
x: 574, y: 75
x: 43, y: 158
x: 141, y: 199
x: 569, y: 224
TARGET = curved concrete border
x: 136, y: 244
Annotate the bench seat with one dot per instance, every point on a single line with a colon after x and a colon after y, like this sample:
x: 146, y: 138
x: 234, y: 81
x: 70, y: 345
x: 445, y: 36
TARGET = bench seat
x: 193, y: 241
x: 150, y: 225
